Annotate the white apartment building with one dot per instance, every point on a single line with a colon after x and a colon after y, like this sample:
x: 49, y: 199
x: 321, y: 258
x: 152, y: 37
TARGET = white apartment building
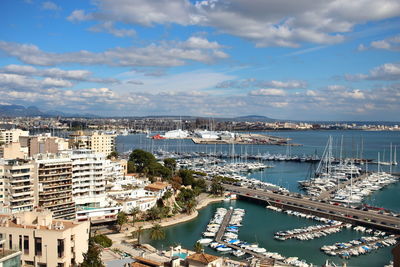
x: 16, y: 185
x: 11, y: 136
x: 88, y: 178
x: 44, y: 241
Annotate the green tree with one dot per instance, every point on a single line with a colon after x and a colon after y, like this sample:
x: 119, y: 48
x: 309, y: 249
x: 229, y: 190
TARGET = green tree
x: 191, y: 206
x: 170, y: 164
x: 187, y: 176
x: 216, y: 187
x: 200, y: 184
x: 114, y: 154
x: 153, y: 213
x: 131, y: 167
x: 122, y: 218
x: 198, y: 247
x: 142, y: 159
x: 102, y: 240
x: 134, y: 212
x: 137, y: 234
x: 92, y: 257
x: 157, y: 232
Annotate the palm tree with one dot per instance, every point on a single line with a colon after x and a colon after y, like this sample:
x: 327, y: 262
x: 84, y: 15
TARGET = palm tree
x: 198, y: 247
x: 137, y: 234
x: 191, y: 206
x: 157, y: 232
x: 134, y: 213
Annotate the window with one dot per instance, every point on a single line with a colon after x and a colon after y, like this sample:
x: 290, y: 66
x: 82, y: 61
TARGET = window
x: 20, y: 242
x: 60, y: 248
x: 60, y: 264
x: 10, y: 241
x: 26, y: 244
x: 38, y: 246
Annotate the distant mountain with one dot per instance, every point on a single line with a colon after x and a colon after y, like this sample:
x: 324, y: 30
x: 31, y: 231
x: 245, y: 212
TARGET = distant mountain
x: 253, y: 118
x: 19, y: 111
x: 32, y: 111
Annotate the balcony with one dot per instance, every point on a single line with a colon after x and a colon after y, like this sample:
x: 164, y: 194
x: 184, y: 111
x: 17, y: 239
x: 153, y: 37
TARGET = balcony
x: 47, y: 180
x: 54, y: 192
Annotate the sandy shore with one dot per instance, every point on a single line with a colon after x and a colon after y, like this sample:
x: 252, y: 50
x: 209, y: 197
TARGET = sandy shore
x: 203, y: 201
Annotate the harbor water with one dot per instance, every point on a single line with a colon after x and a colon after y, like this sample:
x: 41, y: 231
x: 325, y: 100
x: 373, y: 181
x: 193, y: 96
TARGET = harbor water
x: 260, y: 224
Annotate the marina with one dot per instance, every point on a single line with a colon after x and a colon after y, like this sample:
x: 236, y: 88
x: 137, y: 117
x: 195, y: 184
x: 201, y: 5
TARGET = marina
x: 286, y: 174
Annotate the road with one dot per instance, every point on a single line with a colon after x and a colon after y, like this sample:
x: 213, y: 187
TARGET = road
x: 340, y: 212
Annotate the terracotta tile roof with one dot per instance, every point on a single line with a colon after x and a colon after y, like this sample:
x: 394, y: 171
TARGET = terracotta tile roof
x: 138, y: 264
x: 147, y: 262
x: 157, y: 186
x: 202, y: 257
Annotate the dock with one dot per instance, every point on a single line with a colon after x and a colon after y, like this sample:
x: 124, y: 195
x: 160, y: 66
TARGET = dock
x: 286, y: 237
x: 223, y: 226
x: 339, y: 251
x: 295, y: 202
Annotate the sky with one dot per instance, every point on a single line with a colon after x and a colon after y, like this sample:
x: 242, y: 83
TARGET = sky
x: 285, y: 59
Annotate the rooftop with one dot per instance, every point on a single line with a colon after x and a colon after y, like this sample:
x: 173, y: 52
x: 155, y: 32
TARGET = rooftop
x: 202, y: 257
x: 157, y: 186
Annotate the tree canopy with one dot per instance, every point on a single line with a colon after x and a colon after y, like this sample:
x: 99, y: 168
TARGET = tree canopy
x: 157, y: 232
x: 92, y: 257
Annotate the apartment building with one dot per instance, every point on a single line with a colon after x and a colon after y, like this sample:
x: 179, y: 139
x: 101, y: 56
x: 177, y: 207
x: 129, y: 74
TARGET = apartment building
x: 45, y: 241
x: 16, y: 185
x: 53, y: 185
x: 43, y: 144
x: 97, y: 141
x: 88, y: 178
x: 11, y: 136
x: 13, y: 151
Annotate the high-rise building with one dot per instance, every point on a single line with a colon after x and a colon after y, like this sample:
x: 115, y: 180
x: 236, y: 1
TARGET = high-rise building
x: 53, y: 185
x: 45, y: 241
x: 16, y: 185
x: 97, y: 141
x: 88, y: 178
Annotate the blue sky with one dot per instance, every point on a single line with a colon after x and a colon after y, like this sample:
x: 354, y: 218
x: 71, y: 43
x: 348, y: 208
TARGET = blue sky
x: 305, y: 60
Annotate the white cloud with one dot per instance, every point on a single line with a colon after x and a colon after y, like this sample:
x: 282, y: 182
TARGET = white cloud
x: 202, y: 43
x: 79, y: 15
x: 48, y: 5
x: 255, y: 83
x: 385, y: 72
x: 268, y: 92
x: 165, y: 54
x: 266, y: 23
x: 25, y: 83
x: 390, y: 43
x: 192, y: 81
x: 75, y: 75
x: 109, y: 27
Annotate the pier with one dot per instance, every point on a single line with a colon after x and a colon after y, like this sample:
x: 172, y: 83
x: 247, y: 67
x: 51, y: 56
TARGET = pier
x: 338, y: 252
x: 223, y: 226
x: 290, y: 236
x: 297, y: 202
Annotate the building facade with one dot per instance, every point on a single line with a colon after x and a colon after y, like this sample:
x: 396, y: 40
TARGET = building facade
x: 16, y: 185
x: 53, y: 185
x: 88, y: 178
x: 44, y: 241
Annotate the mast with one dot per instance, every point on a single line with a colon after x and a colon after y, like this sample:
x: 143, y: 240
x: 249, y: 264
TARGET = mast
x: 391, y: 159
